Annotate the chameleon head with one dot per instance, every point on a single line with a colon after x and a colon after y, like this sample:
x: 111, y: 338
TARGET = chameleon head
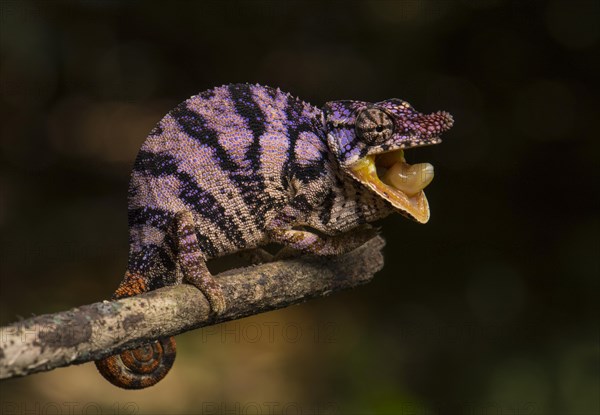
x: 369, y: 142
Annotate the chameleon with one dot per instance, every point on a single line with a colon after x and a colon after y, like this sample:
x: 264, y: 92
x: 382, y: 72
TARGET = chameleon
x: 240, y: 166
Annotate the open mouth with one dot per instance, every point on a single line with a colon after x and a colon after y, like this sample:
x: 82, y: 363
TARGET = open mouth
x: 401, y: 184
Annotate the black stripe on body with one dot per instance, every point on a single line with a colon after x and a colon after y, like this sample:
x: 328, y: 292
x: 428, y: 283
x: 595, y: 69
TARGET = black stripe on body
x: 293, y: 115
x: 155, y: 217
x: 198, y: 199
x: 206, y: 245
x: 313, y: 170
x: 157, y: 130
x: 254, y: 190
x: 250, y: 111
x: 155, y: 165
x: 296, y: 124
x: 194, y: 125
x: 301, y: 203
x: 358, y: 208
x: 251, y: 188
x: 151, y: 164
x: 327, y: 206
x: 204, y: 203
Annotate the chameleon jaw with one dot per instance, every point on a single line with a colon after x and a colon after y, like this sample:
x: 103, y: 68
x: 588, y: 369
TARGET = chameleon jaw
x: 400, y: 184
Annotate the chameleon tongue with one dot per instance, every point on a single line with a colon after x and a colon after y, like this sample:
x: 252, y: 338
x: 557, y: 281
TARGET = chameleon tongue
x: 402, y: 184
x: 410, y: 179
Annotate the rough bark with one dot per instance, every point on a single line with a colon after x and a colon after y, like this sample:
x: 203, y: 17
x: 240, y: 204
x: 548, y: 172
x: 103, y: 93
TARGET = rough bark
x: 93, y: 331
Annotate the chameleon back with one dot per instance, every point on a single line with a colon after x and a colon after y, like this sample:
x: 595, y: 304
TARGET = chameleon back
x: 228, y: 155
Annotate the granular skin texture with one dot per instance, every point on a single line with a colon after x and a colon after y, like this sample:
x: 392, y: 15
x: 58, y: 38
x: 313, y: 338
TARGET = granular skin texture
x: 240, y: 166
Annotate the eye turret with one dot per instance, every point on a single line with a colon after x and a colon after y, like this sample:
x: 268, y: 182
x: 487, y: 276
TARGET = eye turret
x: 374, y: 126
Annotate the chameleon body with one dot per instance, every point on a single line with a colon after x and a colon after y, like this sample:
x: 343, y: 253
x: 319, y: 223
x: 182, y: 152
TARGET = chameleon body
x: 240, y: 166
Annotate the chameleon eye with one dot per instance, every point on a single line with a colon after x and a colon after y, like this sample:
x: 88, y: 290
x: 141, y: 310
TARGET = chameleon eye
x: 374, y: 126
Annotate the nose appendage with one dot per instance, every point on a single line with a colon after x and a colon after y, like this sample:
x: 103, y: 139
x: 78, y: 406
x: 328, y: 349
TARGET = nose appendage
x: 430, y: 125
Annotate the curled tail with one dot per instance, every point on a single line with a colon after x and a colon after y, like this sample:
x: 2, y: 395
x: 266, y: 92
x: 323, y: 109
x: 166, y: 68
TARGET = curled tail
x: 139, y: 368
x: 142, y: 367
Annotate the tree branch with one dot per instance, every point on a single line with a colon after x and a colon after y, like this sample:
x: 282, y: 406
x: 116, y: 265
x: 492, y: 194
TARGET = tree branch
x: 94, y: 331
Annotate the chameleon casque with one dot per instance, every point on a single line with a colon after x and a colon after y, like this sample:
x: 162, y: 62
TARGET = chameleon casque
x: 240, y: 166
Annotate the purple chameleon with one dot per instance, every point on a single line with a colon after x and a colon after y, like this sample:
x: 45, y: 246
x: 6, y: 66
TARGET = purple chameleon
x: 240, y: 166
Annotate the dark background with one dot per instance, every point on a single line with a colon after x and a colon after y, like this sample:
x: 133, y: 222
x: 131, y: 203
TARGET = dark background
x: 487, y: 309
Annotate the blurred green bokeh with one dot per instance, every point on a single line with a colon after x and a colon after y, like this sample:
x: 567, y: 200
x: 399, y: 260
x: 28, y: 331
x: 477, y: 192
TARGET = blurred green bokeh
x: 488, y: 309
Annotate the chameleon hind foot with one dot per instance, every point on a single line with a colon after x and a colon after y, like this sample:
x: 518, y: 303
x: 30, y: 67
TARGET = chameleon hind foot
x: 193, y: 263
